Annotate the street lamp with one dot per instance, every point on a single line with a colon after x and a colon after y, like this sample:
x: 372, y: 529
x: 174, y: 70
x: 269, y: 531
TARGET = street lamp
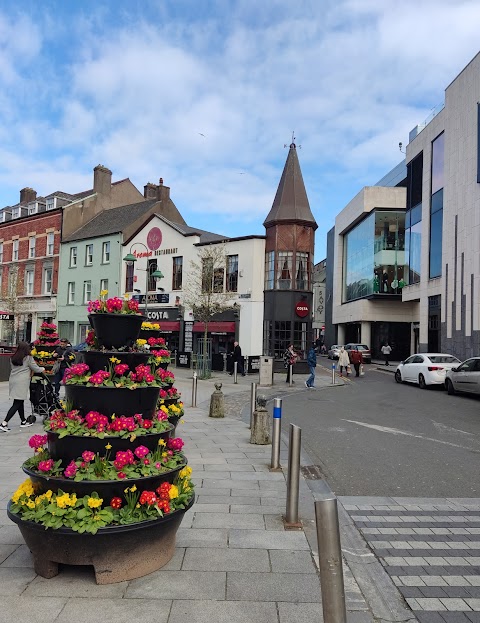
x: 130, y: 259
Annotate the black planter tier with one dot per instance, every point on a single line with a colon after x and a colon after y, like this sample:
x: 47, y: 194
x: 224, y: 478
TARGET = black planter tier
x: 100, y: 360
x: 106, y: 489
x: 117, y: 553
x: 70, y: 447
x: 116, y: 330
x: 167, y: 401
x: 173, y: 420
x: 167, y: 384
x: 112, y: 400
x: 146, y: 333
x: 163, y: 365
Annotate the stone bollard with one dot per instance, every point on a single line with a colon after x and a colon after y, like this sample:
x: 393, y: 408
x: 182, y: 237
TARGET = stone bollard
x: 260, y: 432
x: 217, y: 402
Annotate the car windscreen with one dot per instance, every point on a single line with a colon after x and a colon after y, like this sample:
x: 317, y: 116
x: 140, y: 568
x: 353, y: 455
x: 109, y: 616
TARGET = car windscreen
x: 443, y: 359
x: 362, y: 347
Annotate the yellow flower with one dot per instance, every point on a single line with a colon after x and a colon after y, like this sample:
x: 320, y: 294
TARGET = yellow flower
x: 114, y: 360
x: 108, y: 446
x: 126, y: 296
x: 141, y: 342
x: 185, y: 472
x: 161, y: 442
x: 31, y: 504
x: 94, y: 502
x: 48, y: 494
x: 26, y: 488
x: 133, y: 489
x: 104, y: 293
x: 33, y: 351
x: 164, y: 409
x: 137, y: 506
x: 125, y: 490
x: 173, y: 493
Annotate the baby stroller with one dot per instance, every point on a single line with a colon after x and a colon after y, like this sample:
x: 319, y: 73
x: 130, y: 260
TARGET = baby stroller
x: 42, y: 397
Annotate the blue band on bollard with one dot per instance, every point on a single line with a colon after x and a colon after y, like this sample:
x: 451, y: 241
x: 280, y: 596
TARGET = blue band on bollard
x: 333, y: 366
x: 277, y: 412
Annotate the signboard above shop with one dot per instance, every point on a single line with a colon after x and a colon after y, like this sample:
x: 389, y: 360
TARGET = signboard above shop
x: 6, y: 316
x: 152, y: 298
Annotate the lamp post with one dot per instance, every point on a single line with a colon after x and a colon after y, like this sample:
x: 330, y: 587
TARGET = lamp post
x: 130, y: 259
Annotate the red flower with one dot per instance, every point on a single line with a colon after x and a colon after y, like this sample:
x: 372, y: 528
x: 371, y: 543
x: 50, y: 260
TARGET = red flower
x: 163, y: 491
x: 163, y: 505
x: 116, y: 503
x: 121, y: 475
x: 148, y: 497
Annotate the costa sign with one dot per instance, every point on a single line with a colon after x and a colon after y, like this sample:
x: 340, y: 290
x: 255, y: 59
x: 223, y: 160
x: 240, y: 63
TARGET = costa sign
x: 302, y: 310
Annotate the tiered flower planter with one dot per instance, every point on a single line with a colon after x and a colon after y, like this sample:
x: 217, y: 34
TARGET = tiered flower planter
x: 138, y: 515
x: 45, y: 345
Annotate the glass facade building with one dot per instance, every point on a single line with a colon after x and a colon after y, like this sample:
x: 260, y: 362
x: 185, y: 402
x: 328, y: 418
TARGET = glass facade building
x: 436, y: 208
x: 375, y: 256
x: 413, y: 220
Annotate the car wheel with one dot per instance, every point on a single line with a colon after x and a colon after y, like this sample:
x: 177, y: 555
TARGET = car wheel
x: 398, y: 376
x: 450, y: 387
x: 421, y: 382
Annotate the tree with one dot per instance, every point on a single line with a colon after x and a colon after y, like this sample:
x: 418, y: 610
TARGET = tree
x: 205, y: 293
x: 11, y: 299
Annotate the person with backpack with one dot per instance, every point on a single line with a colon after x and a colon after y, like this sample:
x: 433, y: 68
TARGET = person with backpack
x: 289, y: 359
x: 22, y: 364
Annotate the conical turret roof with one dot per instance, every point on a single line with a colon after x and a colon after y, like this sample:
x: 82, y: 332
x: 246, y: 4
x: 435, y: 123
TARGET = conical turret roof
x: 291, y: 201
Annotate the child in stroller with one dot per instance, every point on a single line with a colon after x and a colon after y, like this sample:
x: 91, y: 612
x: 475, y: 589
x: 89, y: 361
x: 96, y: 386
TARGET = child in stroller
x: 42, y: 397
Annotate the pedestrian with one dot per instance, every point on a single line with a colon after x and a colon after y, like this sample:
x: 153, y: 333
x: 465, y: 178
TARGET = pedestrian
x: 312, y: 364
x: 289, y: 359
x: 63, y: 354
x: 356, y: 358
x: 22, y: 364
x: 323, y: 350
x: 238, y: 359
x: 386, y: 350
x: 343, y: 361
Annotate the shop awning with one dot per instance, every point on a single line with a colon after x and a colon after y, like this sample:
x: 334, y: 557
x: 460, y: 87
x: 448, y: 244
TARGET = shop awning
x: 218, y: 326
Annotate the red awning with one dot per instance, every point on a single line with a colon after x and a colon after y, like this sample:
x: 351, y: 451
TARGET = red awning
x: 215, y: 327
x: 169, y: 325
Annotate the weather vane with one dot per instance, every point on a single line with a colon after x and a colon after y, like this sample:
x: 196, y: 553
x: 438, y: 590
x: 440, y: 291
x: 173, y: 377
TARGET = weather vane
x: 293, y: 141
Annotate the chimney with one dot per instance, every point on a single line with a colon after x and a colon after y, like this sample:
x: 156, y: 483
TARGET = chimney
x: 150, y: 191
x: 27, y: 195
x: 163, y: 192
x: 102, y: 180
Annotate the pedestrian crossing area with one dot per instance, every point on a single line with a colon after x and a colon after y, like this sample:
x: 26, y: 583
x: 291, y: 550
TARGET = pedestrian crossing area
x: 429, y: 548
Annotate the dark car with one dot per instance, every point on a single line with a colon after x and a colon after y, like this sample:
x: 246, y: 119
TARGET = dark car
x: 363, y: 348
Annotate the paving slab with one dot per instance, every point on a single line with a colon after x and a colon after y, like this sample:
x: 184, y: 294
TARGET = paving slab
x: 202, y: 611
x: 179, y: 585
x: 292, y: 587
x: 113, y: 611
x: 254, y: 560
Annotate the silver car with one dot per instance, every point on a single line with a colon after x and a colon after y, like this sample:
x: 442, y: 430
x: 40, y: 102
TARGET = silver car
x: 464, y: 378
x: 334, y: 351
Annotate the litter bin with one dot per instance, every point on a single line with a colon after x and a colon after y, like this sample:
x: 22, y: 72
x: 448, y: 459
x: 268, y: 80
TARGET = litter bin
x: 266, y: 371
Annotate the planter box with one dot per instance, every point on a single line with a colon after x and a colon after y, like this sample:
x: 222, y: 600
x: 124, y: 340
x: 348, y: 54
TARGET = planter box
x: 70, y: 447
x: 117, y: 553
x: 116, y: 330
x: 113, y: 400
x: 106, y: 489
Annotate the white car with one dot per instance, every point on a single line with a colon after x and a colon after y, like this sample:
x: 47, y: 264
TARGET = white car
x: 425, y: 369
x: 334, y: 351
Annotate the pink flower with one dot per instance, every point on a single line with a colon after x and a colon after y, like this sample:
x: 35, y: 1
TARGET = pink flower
x: 175, y: 444
x: 71, y: 470
x: 46, y: 466
x: 141, y: 451
x: 88, y: 456
x: 37, y: 441
x: 120, y: 369
x: 121, y: 475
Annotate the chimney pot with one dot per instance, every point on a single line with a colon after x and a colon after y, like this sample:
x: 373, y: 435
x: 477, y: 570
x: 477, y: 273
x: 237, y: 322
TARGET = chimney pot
x: 102, y: 180
x: 161, y: 181
x: 150, y: 191
x: 27, y: 194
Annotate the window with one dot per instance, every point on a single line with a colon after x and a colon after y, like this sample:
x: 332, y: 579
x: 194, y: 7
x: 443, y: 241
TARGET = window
x: 15, y: 251
x: 29, y: 275
x: 51, y: 203
x: 436, y: 209
x: 284, y: 270
x: 15, y: 212
x: 269, y: 270
x: 151, y: 281
x: 232, y: 273
x: 47, y: 280
x: 87, y: 291
x: 50, y: 243
x: 71, y: 293
x: 103, y: 285
x: 106, y: 252
x: 282, y: 337
x: 413, y: 219
x: 73, y: 257
x: 468, y: 366
x: 31, y: 246
x: 129, y: 278
x: 301, y: 271
x: 32, y: 208
x: 89, y: 255
x: 218, y: 278
x: 1, y: 252
x: 177, y: 273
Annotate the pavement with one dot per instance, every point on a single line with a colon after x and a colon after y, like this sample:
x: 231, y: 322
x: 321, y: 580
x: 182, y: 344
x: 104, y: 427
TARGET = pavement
x: 235, y: 561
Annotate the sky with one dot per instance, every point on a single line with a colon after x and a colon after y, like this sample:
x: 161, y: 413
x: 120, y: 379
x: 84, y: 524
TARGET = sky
x: 207, y: 93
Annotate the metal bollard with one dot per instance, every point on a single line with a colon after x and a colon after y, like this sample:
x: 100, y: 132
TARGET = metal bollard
x: 293, y: 477
x: 291, y: 376
x: 235, y: 372
x: 333, y: 373
x: 253, y: 402
x: 330, y: 556
x: 276, y: 433
x: 194, y: 389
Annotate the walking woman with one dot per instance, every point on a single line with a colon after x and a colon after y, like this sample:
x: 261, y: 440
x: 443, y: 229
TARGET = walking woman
x: 21, y: 366
x: 343, y: 361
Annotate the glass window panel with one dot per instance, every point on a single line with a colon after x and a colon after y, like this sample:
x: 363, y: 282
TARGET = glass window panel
x: 232, y: 273
x: 413, y: 252
x: 414, y: 181
x: 436, y: 235
x: 151, y: 281
x: 129, y: 278
x: 269, y: 270
x: 416, y: 214
x: 359, y: 260
x: 301, y: 270
x: 407, y: 219
x: 177, y: 273
x: 437, y: 163
x: 437, y: 201
x: 284, y: 270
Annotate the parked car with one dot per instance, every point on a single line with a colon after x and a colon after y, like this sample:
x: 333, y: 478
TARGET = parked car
x: 363, y: 348
x: 425, y: 369
x: 333, y: 351
x: 464, y: 378
x: 79, y: 347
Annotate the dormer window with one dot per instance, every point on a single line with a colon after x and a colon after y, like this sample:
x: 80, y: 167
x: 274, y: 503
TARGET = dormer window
x: 51, y: 203
x: 15, y: 212
x: 32, y: 208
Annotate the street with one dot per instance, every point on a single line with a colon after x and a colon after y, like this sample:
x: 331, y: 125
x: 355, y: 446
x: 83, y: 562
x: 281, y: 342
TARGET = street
x: 376, y: 437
